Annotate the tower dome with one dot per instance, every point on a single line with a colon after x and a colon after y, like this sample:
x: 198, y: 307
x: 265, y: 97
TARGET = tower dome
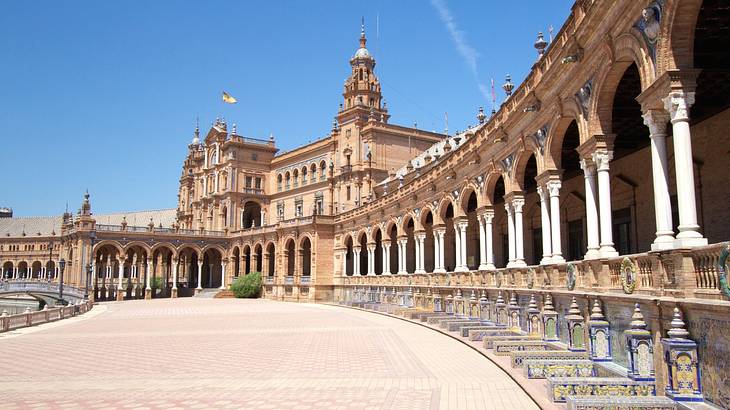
x: 362, y: 52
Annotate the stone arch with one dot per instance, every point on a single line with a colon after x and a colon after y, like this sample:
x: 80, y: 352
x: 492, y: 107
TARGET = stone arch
x: 246, y: 253
x: 116, y: 245
x: 165, y: 245
x: 218, y: 248
x: 389, y: 228
x: 305, y: 249
x: 443, y: 206
x: 271, y: 258
x: 520, y: 171
x: 675, y: 47
x: 290, y: 253
x: 627, y: 51
x: 490, y: 186
x: 35, y: 269
x: 258, y: 256
x: 140, y: 244
x: 407, y: 218
x: 556, y: 135
x: 465, y: 194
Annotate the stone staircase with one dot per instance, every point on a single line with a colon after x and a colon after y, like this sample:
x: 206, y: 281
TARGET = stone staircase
x: 207, y: 293
x: 569, y: 377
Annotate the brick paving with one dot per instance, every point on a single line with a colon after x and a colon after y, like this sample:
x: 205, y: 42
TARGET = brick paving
x: 255, y: 354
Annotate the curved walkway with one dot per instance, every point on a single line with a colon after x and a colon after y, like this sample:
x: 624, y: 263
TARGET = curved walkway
x: 257, y: 354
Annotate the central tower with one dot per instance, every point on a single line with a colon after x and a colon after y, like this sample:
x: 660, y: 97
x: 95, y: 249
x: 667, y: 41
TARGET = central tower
x: 362, y: 89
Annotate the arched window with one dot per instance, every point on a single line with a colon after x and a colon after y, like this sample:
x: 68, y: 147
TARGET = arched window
x: 278, y: 182
x: 322, y: 170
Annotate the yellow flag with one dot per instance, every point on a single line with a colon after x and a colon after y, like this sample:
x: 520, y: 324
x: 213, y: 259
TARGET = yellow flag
x: 228, y: 99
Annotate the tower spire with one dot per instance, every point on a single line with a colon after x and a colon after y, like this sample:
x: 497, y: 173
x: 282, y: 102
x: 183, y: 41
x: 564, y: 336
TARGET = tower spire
x: 363, y: 40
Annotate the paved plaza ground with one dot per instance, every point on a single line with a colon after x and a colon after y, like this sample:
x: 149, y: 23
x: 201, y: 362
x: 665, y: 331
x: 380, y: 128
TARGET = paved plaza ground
x: 257, y: 354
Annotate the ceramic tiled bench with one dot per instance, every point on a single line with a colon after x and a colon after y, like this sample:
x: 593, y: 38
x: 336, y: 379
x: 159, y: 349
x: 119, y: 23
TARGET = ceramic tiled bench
x: 498, y: 330
x: 621, y: 403
x: 559, y: 388
x: 456, y: 325
x: 517, y: 358
x: 488, y: 341
x: 434, y: 320
x: 478, y: 325
x: 540, y: 369
x: 505, y: 347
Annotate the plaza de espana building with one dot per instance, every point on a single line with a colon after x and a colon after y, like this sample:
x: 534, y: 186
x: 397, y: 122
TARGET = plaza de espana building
x: 597, y: 192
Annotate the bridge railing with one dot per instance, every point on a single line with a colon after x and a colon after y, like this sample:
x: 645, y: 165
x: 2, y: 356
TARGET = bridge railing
x: 30, y: 318
x: 39, y: 286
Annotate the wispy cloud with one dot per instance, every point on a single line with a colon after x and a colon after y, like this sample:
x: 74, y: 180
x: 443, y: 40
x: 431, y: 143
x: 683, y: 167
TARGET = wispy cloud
x: 468, y: 53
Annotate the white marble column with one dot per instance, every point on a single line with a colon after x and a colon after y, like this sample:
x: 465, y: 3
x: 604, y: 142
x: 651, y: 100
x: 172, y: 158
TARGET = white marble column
x: 223, y: 275
x: 457, y: 253
x: 441, y: 233
x: 462, y: 232
x: 371, y: 259
x: 417, y: 258
x: 344, y: 261
x: 547, y: 251
x: 517, y: 205
x: 589, y: 176
x: 386, y: 258
x: 657, y: 122
x: 488, y: 217
x: 510, y: 235
x: 553, y: 188
x: 402, y: 256
x: 678, y: 103
x: 148, y: 278
x: 420, y: 253
x: 356, y: 261
x: 175, y: 264
x: 120, y: 275
x: 200, y: 274
x: 482, y: 244
x: 602, y: 160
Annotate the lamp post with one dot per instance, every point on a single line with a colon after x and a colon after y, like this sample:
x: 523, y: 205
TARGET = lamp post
x: 89, y: 266
x: 62, y: 265
x: 50, y: 260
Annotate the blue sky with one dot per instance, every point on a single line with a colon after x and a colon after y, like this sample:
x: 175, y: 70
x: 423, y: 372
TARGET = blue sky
x: 104, y: 95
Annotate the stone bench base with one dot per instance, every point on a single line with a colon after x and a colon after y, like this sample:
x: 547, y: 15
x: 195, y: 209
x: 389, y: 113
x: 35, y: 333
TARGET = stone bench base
x: 488, y: 341
x: 434, y: 320
x: 477, y: 325
x: 517, y: 358
x: 498, y: 330
x: 505, y: 347
x: 559, y: 388
x: 457, y: 324
x: 541, y: 369
x: 620, y: 403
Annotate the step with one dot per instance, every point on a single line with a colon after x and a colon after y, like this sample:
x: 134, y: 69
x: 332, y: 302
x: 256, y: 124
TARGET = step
x: 621, y: 403
x: 488, y: 341
x: 559, y: 388
x: 423, y: 316
x: 517, y: 358
x: 541, y: 369
x: 457, y: 324
x: 505, y: 347
x: 478, y: 334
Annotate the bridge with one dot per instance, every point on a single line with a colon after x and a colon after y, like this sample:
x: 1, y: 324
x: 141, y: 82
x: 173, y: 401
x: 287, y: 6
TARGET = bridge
x: 46, y: 292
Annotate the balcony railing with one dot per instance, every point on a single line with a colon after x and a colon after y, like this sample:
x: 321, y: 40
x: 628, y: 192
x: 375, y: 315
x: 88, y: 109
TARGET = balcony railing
x: 289, y: 280
x: 655, y: 274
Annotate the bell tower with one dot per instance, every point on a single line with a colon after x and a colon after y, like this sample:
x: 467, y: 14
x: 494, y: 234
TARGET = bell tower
x: 362, y: 97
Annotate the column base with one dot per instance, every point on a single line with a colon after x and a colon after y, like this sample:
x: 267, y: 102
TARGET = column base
x: 120, y: 295
x: 592, y: 254
x: 557, y: 259
x: 608, y: 251
x: 439, y: 270
x: 421, y: 271
x: 663, y: 244
x: 547, y: 260
x: 402, y: 272
x: 519, y: 263
x: 683, y: 243
x: 148, y: 293
x: 461, y: 269
x: 173, y: 293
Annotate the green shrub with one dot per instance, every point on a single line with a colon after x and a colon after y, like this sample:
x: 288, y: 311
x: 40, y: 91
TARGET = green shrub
x: 156, y: 282
x: 247, y: 286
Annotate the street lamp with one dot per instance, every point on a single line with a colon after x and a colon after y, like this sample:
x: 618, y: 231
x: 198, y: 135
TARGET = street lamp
x: 50, y: 260
x: 89, y: 266
x: 62, y: 265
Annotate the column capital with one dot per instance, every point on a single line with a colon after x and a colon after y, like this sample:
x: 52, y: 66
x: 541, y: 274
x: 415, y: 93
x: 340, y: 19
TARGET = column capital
x: 371, y: 246
x: 487, y: 213
x: 508, y: 208
x: 657, y: 121
x: 678, y: 103
x: 554, y: 187
x: 542, y: 193
x: 588, y: 166
x: 602, y: 159
x: 463, y: 224
x: 441, y: 230
x: 518, y: 203
x: 356, y: 248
